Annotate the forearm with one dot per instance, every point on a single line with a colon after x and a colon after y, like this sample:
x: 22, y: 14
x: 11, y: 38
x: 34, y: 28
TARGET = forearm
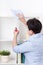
x: 14, y: 43
x: 23, y: 20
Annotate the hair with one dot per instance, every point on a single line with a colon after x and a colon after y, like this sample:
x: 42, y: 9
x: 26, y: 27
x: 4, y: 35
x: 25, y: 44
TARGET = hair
x: 34, y: 25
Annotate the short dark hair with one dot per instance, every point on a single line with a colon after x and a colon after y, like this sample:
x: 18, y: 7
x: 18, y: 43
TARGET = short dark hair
x: 34, y: 25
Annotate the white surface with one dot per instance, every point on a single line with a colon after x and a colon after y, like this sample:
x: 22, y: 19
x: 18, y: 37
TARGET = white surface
x: 11, y: 62
x: 7, y: 26
x: 4, y: 59
x: 29, y: 7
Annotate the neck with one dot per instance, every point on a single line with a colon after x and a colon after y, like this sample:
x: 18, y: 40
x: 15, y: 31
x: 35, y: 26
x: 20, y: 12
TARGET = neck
x: 32, y: 34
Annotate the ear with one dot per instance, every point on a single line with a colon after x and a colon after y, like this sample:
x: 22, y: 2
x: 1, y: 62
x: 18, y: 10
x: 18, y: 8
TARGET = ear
x: 31, y: 32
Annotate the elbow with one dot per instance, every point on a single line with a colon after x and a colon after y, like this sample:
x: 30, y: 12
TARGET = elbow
x: 15, y: 50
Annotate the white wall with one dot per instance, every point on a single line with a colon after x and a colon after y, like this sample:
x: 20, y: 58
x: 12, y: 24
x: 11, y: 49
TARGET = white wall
x: 7, y: 26
x: 29, y: 7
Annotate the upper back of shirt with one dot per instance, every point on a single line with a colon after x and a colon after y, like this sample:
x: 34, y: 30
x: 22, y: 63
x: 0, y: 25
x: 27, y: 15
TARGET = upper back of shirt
x: 35, y: 55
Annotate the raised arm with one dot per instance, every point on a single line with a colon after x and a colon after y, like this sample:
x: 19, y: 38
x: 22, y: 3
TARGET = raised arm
x: 22, y: 18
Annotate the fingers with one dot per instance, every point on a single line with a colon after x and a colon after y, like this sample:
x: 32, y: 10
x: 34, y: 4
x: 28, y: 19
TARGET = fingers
x: 16, y: 30
x: 20, y: 15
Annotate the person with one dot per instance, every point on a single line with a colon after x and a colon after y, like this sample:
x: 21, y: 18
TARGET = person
x: 33, y: 47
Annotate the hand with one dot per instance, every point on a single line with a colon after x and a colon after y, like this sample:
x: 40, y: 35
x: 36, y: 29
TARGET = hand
x: 21, y: 16
x: 16, y: 32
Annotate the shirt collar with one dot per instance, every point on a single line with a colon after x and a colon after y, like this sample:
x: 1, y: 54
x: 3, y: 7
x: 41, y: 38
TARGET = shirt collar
x: 36, y: 36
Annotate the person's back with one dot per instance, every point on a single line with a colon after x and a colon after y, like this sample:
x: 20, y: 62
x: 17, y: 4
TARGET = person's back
x: 35, y: 56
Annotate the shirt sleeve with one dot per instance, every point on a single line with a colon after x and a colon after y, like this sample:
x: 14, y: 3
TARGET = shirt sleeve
x: 23, y: 48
